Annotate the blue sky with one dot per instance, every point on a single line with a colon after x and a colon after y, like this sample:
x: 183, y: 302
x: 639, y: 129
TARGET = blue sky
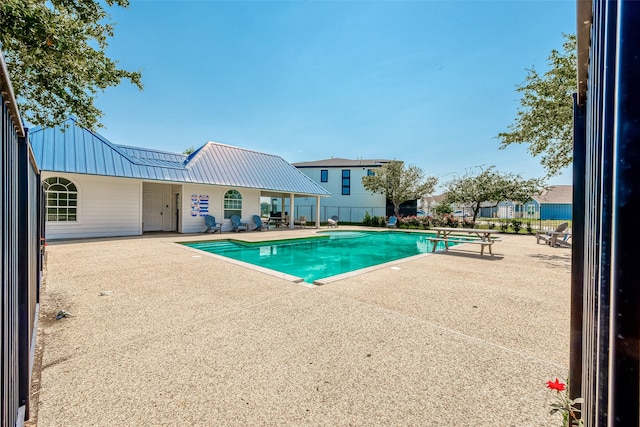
x: 428, y: 82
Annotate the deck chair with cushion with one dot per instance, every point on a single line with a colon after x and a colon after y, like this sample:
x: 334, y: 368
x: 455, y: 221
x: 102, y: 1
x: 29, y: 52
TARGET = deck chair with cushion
x: 212, y: 225
x: 237, y: 224
x: 333, y: 221
x: 392, y: 222
x: 259, y: 224
x: 552, y: 237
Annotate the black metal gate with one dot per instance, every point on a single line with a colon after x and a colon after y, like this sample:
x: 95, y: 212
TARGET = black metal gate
x: 20, y: 258
x: 605, y: 326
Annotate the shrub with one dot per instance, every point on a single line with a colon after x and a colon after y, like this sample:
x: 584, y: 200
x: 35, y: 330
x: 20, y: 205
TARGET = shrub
x: 468, y: 223
x: 517, y: 225
x: 504, y: 225
x: 529, y: 229
x: 367, y: 219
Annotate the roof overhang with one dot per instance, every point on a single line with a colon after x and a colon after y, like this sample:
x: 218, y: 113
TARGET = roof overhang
x: 9, y: 98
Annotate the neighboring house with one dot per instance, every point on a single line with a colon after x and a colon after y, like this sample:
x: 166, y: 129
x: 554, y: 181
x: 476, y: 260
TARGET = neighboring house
x: 343, y: 179
x: 94, y: 188
x: 554, y: 203
x: 429, y: 203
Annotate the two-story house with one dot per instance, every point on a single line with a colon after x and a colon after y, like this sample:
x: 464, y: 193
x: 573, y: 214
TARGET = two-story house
x: 349, y: 200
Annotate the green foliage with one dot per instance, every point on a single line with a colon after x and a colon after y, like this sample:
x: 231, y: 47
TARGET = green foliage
x: 55, y: 56
x: 443, y: 208
x: 491, y: 187
x: 516, y: 225
x: 189, y: 150
x: 545, y: 116
x: 504, y: 225
x: 367, y: 219
x: 399, y: 184
x: 529, y: 228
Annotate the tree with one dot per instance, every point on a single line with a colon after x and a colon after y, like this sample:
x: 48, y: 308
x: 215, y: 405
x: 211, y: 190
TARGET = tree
x: 55, y: 56
x: 490, y: 186
x: 399, y: 184
x: 545, y: 116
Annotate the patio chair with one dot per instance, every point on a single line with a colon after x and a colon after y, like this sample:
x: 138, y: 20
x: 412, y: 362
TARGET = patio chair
x: 212, y: 225
x: 259, y: 224
x: 302, y: 221
x: 392, y: 222
x: 551, y: 237
x: 333, y: 221
x: 237, y: 224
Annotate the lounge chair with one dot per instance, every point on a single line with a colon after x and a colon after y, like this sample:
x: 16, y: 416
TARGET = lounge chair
x: 558, y: 237
x: 259, y: 224
x: 392, y: 222
x: 212, y: 225
x: 237, y: 224
x: 333, y: 221
x: 302, y: 221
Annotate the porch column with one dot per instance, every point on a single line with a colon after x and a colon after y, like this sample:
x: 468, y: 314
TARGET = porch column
x: 317, y: 211
x: 291, y: 211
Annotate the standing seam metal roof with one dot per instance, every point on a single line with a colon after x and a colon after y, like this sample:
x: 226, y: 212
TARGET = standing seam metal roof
x: 72, y: 148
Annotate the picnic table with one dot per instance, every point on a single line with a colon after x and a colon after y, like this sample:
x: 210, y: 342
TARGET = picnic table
x: 483, y: 237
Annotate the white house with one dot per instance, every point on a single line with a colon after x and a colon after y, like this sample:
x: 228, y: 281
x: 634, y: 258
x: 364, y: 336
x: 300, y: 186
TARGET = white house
x: 343, y: 179
x: 94, y: 188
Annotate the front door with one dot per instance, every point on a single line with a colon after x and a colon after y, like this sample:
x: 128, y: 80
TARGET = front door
x: 152, y: 204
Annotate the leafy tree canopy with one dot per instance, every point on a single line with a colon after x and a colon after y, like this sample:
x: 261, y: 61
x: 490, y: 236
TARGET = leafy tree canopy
x: 399, y: 184
x: 55, y: 56
x: 545, y: 116
x: 490, y: 186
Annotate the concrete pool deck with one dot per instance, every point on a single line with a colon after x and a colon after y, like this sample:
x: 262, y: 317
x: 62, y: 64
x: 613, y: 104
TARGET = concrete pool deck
x: 162, y: 336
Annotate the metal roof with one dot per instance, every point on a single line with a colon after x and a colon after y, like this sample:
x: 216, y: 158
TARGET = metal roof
x: 74, y: 149
x: 556, y: 194
x: 336, y: 162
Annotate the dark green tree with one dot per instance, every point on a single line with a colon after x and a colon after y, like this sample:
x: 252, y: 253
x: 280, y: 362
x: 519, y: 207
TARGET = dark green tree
x: 55, y: 55
x: 544, y: 119
x: 399, y: 184
x: 491, y: 187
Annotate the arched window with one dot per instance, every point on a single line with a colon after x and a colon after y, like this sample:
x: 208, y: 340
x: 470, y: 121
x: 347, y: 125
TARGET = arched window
x: 61, y: 199
x: 232, y: 203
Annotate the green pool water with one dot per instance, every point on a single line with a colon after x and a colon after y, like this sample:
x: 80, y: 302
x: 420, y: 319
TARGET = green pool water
x: 329, y: 254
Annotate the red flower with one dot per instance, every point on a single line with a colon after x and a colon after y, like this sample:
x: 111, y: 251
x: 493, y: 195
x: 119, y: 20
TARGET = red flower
x: 556, y: 385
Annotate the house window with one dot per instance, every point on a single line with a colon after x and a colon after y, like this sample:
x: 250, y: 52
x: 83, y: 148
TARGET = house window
x: 232, y: 203
x: 324, y: 175
x: 370, y: 172
x: 61, y: 203
x: 346, y: 182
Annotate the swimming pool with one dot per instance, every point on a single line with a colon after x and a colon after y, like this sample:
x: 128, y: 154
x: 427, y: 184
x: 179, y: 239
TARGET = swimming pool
x: 329, y: 254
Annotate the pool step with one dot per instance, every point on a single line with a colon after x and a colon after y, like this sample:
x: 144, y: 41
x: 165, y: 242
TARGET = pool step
x: 216, y: 246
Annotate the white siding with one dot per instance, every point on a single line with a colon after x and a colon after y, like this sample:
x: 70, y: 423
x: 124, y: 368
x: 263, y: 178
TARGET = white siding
x: 195, y: 224
x: 350, y: 207
x: 107, y: 206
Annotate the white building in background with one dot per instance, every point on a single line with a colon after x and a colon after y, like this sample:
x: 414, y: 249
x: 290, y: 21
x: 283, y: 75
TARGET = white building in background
x: 343, y: 179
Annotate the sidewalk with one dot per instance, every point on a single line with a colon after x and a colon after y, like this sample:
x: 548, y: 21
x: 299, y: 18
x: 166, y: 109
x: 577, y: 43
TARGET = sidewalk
x: 160, y: 337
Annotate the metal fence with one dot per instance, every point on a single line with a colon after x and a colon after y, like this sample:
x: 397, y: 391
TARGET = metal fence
x: 605, y: 315
x: 20, y: 259
x: 346, y: 214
